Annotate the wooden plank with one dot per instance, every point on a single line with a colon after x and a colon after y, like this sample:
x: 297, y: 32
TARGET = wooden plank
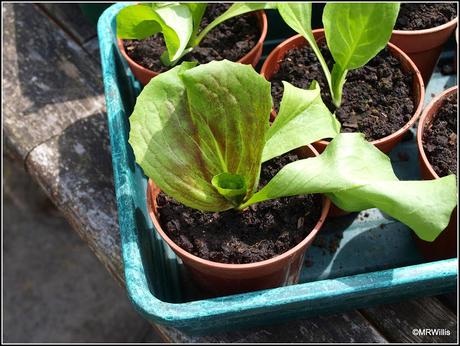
x: 349, y: 327
x: 70, y: 17
x: 92, y: 48
x: 48, y: 80
x: 450, y: 300
x: 404, y: 321
x: 75, y: 171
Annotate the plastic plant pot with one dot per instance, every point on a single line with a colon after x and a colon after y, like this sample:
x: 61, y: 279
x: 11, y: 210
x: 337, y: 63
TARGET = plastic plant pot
x: 445, y: 246
x: 385, y: 144
x: 424, y: 46
x: 144, y: 75
x: 224, y: 279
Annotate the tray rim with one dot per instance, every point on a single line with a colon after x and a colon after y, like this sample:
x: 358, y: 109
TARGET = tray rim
x: 427, y: 278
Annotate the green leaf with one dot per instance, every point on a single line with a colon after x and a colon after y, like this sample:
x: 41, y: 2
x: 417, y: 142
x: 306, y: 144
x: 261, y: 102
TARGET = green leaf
x: 236, y: 9
x: 173, y: 20
x: 357, y: 176
x: 298, y: 16
x: 231, y: 186
x: 302, y: 119
x: 190, y: 125
x: 137, y: 22
x: 177, y: 28
x: 197, y: 10
x: 355, y: 33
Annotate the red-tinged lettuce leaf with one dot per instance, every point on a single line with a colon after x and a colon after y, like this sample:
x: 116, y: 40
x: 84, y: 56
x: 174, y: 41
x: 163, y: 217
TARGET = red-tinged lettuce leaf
x: 357, y: 176
x: 190, y: 125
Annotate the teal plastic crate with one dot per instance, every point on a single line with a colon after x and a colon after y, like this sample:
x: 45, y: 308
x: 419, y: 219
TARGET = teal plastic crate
x: 376, y: 261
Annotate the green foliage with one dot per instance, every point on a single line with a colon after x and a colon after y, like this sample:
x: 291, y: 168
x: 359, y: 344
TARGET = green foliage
x: 356, y: 176
x: 298, y: 16
x: 190, y: 125
x: 178, y: 22
x: 201, y: 133
x: 175, y: 22
x: 302, y: 118
x: 355, y: 33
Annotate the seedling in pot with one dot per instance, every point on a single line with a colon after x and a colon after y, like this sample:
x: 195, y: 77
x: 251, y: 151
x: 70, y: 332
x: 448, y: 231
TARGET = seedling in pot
x: 178, y: 22
x: 201, y: 134
x: 355, y: 33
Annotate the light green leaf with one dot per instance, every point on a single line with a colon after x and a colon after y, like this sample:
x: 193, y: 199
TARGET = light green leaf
x: 302, y: 119
x: 357, y: 176
x: 190, y: 125
x: 197, y: 9
x: 236, y: 9
x: 355, y: 33
x: 173, y: 20
x: 298, y: 16
x: 137, y: 22
x: 231, y: 186
x: 177, y: 28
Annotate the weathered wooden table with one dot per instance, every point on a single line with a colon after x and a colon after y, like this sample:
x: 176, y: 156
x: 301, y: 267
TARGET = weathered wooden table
x: 55, y: 123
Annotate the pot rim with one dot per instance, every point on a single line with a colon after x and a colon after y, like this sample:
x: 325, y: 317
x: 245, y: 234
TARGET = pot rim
x: 427, y: 117
x: 427, y: 31
x: 326, y: 203
x: 263, y: 24
x: 400, y: 55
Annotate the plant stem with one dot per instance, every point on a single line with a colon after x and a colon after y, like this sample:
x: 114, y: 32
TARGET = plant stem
x: 338, y: 80
x: 322, y: 62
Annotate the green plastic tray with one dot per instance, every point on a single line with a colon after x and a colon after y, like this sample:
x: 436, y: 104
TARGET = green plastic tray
x: 376, y: 261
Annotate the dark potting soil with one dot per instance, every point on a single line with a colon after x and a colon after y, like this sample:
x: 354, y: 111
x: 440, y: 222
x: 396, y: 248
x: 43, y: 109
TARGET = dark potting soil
x: 376, y: 100
x: 230, y: 40
x: 440, y: 138
x: 416, y: 16
x: 260, y: 232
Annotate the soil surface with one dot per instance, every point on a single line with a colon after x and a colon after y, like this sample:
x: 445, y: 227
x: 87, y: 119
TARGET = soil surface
x: 376, y: 100
x: 262, y: 231
x: 230, y: 40
x: 440, y: 139
x: 416, y: 16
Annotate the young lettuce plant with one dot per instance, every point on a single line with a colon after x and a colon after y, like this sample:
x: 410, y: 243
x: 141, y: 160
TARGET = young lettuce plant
x: 355, y: 33
x: 178, y: 22
x: 202, y: 133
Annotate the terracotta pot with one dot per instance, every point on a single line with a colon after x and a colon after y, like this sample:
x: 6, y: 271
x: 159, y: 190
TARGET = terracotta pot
x: 385, y: 144
x: 144, y: 75
x: 224, y: 279
x: 445, y: 246
x: 424, y: 46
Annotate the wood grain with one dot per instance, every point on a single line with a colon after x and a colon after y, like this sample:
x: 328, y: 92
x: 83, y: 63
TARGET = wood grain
x: 70, y: 17
x: 348, y: 327
x: 397, y: 321
x: 75, y: 170
x: 49, y: 82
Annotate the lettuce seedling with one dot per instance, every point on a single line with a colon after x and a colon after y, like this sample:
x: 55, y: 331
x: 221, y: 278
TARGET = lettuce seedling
x: 201, y: 133
x: 355, y: 33
x: 178, y: 22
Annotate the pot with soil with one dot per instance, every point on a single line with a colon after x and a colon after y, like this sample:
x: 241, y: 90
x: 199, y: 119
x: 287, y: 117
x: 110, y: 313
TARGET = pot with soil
x: 230, y: 252
x: 237, y: 39
x: 382, y: 99
x: 238, y: 207
x: 437, y: 146
x: 421, y: 30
